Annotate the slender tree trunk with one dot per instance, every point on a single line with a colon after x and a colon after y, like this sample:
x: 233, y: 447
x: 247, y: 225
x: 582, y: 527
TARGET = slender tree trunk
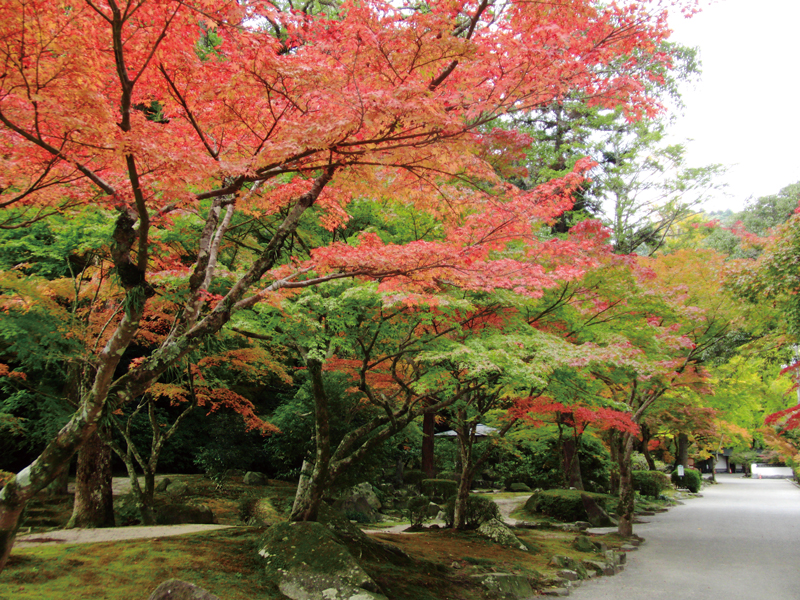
x: 572, y: 465
x: 651, y: 464
x: 614, y: 445
x: 625, y: 507
x: 94, y: 503
x: 428, y: 421
x: 465, y: 444
x: 309, y: 494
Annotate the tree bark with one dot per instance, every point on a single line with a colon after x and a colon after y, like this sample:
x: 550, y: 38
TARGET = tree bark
x: 625, y: 507
x: 572, y: 465
x: 466, y: 441
x: 428, y: 467
x: 651, y: 464
x: 683, y: 450
x: 94, y: 503
x: 309, y: 494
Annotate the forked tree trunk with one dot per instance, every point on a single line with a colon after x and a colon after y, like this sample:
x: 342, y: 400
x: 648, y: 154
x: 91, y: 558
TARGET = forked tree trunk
x: 94, y: 502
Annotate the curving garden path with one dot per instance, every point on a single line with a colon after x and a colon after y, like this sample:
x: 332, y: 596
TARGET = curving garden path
x: 740, y: 541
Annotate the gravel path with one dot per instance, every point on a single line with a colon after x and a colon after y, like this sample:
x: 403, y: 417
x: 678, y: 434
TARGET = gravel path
x: 738, y: 542
x: 110, y: 534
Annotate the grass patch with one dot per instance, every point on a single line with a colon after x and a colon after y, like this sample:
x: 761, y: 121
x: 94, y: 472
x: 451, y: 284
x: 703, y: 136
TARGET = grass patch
x: 223, y: 562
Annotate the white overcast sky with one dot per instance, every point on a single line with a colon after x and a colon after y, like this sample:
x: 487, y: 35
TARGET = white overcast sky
x: 743, y: 113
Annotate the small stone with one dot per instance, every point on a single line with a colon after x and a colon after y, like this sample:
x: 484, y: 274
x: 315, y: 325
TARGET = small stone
x: 556, y: 592
x: 175, y: 589
x: 455, y: 565
x: 568, y: 575
x: 628, y: 548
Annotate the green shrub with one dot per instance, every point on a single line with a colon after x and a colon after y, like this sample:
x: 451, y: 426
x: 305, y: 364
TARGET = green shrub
x: 418, y: 510
x: 479, y: 510
x: 442, y: 488
x: 691, y: 480
x: 650, y: 483
x: 413, y: 477
x: 246, y: 507
x: 566, y: 505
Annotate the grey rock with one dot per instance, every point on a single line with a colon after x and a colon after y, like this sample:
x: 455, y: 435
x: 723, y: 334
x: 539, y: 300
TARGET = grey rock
x: 183, y: 514
x: 177, y: 489
x: 506, y: 585
x: 175, y: 589
x: 568, y: 575
x: 583, y: 544
x: 307, y: 562
x: 499, y: 532
x: 595, y: 567
x: 162, y: 485
x: 254, y: 478
x: 556, y: 592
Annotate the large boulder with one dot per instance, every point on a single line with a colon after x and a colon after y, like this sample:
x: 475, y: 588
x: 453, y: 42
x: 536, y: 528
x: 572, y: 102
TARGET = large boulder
x: 499, y: 532
x: 177, y: 489
x: 307, y: 561
x: 183, y: 514
x: 175, y: 589
x: 254, y: 478
x: 360, y: 502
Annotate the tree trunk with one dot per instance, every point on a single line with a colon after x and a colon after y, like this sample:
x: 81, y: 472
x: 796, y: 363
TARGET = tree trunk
x: 625, y: 507
x: 683, y: 450
x: 428, y: 421
x: 651, y: 464
x: 465, y: 442
x: 309, y: 494
x: 572, y: 465
x: 462, y: 498
x: 94, y: 505
x: 614, y: 445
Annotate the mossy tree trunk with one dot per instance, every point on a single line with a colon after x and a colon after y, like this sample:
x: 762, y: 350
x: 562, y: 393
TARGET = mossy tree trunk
x: 428, y: 422
x: 94, y: 501
x: 310, y: 491
x: 625, y: 507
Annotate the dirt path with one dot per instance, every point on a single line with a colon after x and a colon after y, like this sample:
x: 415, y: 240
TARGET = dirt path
x: 110, y: 534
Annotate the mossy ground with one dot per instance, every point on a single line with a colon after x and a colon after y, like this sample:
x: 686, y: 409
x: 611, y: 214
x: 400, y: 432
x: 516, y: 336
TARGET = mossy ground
x: 225, y: 562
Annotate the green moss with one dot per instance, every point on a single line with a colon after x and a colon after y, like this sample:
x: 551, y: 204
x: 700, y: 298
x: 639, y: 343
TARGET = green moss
x: 223, y: 562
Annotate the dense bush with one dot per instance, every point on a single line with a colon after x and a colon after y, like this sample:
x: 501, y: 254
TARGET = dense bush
x: 418, y: 510
x: 413, y: 477
x: 650, y: 483
x: 566, y: 505
x: 691, y: 480
x: 441, y: 488
x: 479, y: 510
